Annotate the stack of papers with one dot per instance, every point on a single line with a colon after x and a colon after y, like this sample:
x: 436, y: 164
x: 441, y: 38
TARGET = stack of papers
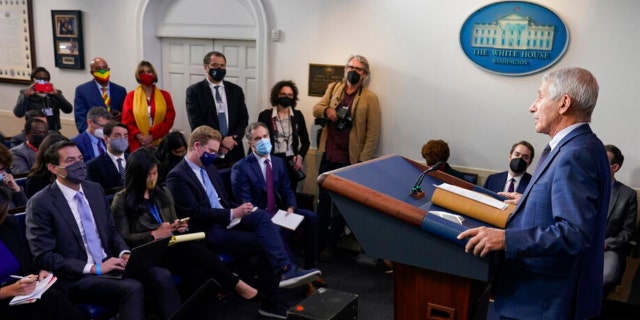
x: 291, y: 221
x: 41, y: 287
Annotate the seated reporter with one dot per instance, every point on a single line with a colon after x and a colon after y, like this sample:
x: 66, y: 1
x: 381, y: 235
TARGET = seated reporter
x: 144, y: 211
x: 7, y: 182
x: 39, y: 177
x: 16, y: 260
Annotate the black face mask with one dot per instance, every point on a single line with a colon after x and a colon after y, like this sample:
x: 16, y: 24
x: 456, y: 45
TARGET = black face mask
x: 36, y: 140
x: 286, y: 102
x: 353, y: 77
x: 518, y: 165
x: 217, y: 74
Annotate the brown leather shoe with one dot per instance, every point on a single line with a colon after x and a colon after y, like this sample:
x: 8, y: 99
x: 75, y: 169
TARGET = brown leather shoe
x: 319, y: 282
x: 309, y: 289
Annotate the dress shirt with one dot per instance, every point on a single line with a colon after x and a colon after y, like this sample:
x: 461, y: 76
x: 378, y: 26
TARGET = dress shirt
x: 563, y: 133
x: 100, y: 88
x: 69, y: 195
x: 516, y: 182
x: 114, y: 159
x: 196, y: 170
x: 263, y: 166
x: 219, y: 107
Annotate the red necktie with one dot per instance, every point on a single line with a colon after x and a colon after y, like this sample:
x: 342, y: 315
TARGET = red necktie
x: 511, y: 185
x: 271, y: 198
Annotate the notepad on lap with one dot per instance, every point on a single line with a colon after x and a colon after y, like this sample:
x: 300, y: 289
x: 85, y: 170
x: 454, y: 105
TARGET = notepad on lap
x: 291, y: 221
x: 41, y: 287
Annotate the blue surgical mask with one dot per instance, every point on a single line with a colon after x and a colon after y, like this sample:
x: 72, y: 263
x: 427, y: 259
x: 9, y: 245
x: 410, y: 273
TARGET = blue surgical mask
x: 263, y: 147
x: 119, y: 145
x: 207, y: 159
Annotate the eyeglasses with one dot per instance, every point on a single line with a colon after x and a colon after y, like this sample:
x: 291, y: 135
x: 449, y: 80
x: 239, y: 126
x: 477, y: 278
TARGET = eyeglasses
x: 358, y: 69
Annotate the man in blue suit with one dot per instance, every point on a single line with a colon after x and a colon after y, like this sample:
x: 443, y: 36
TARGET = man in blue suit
x: 72, y: 234
x: 230, y: 227
x: 99, y: 92
x: 553, y: 244
x: 517, y: 178
x: 250, y: 184
x: 91, y: 141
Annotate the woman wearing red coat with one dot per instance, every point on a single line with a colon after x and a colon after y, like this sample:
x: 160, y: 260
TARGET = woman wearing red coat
x: 147, y: 111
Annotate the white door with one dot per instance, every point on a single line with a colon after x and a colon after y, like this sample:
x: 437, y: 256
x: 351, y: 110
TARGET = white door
x: 241, y: 70
x: 182, y: 66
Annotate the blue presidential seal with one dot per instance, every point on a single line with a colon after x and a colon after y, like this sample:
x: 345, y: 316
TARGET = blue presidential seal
x: 514, y: 38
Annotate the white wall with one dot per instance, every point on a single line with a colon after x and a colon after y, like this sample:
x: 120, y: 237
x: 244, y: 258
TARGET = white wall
x: 428, y: 89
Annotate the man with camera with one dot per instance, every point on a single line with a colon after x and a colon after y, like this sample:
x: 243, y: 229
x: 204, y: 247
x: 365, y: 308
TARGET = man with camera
x: 352, y: 117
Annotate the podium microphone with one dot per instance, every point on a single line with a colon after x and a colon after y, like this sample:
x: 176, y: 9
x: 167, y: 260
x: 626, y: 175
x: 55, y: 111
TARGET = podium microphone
x: 416, y: 191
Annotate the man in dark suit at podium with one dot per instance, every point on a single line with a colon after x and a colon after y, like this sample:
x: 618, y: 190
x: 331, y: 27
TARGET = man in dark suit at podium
x: 553, y: 244
x: 220, y: 105
x: 516, y: 178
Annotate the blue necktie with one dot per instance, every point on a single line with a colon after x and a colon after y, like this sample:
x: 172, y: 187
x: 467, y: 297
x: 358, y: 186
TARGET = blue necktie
x: 90, y: 231
x: 211, y: 191
x: 543, y: 157
x: 222, y: 117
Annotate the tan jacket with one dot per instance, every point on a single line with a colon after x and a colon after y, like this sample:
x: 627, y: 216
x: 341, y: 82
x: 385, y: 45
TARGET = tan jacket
x: 365, y: 111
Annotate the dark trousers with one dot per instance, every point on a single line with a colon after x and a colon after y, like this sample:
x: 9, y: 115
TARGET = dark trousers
x: 309, y: 229
x: 329, y: 227
x: 128, y: 294
x: 256, y: 234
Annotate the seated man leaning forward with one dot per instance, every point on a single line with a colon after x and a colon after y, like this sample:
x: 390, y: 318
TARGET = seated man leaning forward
x: 236, y: 229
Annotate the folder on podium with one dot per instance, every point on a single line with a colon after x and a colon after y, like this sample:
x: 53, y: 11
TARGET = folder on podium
x: 433, y: 276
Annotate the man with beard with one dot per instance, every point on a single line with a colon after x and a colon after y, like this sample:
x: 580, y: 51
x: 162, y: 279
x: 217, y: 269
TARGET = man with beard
x: 517, y: 178
x: 352, y: 116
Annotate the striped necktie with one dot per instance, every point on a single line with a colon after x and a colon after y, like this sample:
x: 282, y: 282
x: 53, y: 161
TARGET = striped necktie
x: 106, y: 98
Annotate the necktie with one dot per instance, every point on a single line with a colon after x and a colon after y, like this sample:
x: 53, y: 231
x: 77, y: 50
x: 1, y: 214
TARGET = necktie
x: 106, y: 99
x: 120, y: 169
x: 222, y: 117
x: 100, y: 147
x: 271, y: 198
x: 90, y: 231
x: 544, y: 155
x: 210, y: 190
x: 511, y: 185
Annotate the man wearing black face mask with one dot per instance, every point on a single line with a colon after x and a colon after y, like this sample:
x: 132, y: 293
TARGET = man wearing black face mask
x: 516, y: 179
x: 352, y: 114
x: 71, y: 233
x: 220, y: 105
x: 24, y: 154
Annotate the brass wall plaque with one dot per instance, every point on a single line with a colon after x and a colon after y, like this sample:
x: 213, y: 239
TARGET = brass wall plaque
x: 321, y: 75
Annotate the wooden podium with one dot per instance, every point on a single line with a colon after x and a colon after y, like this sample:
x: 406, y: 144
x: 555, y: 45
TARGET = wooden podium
x: 433, y: 278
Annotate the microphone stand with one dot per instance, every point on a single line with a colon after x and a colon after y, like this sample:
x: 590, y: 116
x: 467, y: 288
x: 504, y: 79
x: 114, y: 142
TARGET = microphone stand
x: 416, y: 191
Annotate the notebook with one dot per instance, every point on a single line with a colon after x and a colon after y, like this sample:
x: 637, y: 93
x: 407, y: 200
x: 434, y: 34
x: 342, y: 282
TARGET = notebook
x: 142, y: 258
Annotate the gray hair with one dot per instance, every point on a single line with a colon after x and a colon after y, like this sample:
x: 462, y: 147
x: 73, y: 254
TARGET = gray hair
x: 252, y: 126
x: 577, y: 83
x: 365, y: 63
x: 96, y: 113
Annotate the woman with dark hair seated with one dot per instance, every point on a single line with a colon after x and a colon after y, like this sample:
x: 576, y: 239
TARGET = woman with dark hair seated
x: 144, y: 211
x: 16, y: 260
x: 7, y: 182
x: 40, y: 176
x: 169, y: 153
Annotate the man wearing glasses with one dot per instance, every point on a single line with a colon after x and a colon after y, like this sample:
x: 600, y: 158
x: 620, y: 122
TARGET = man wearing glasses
x: 220, y: 105
x: 352, y: 116
x: 99, y: 92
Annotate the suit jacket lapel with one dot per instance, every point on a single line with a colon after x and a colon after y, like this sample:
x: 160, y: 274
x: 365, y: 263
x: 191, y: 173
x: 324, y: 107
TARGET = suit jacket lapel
x: 64, y: 212
x: 257, y: 171
x: 615, y: 193
x: 209, y: 104
x: 584, y: 129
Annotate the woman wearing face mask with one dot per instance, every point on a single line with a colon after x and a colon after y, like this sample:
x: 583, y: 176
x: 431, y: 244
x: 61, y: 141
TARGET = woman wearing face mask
x: 147, y: 110
x: 39, y: 176
x: 287, y: 129
x: 169, y: 153
x: 144, y: 211
x: 42, y: 95
x: 7, y: 182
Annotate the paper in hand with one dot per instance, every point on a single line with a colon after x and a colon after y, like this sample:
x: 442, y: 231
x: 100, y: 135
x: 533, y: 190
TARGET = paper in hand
x: 291, y: 221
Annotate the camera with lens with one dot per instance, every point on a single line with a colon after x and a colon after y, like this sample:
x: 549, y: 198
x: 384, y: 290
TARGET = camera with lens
x: 298, y: 174
x: 344, y: 119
